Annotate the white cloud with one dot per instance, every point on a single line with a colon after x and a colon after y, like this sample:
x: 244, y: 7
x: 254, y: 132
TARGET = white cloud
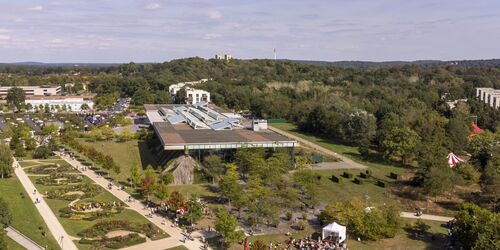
x: 214, y: 14
x: 36, y: 8
x: 211, y: 36
x: 5, y: 37
x: 152, y: 6
x: 57, y: 41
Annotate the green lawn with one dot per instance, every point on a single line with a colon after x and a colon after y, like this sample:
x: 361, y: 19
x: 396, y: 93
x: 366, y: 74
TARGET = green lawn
x: 25, y: 216
x: 405, y: 240
x: 347, y: 189
x: 12, y: 245
x: 345, y: 150
x: 125, y: 154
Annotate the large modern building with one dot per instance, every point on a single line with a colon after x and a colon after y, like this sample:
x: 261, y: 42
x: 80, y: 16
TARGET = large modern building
x: 489, y: 96
x: 61, y: 103
x: 206, y: 126
x: 32, y: 90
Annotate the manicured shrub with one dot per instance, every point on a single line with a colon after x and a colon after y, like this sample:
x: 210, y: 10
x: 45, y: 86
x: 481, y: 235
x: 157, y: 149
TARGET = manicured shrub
x: 301, y: 225
x: 363, y: 175
x: 393, y: 175
x: 381, y: 184
x: 335, y: 179
x: 368, y: 172
x: 358, y: 181
x: 347, y: 175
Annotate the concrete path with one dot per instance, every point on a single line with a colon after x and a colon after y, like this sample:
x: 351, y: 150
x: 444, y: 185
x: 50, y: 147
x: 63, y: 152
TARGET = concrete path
x: 22, y: 239
x: 53, y: 224
x: 174, y: 232
x: 346, y: 162
x: 426, y: 217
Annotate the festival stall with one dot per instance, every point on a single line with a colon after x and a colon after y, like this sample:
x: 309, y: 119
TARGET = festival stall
x: 334, y: 231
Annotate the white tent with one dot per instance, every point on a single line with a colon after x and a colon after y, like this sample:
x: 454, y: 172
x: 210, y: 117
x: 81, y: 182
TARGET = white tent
x: 335, y: 230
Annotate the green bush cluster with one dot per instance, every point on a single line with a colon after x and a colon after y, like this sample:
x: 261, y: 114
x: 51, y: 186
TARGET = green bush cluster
x: 115, y: 242
x: 347, y: 175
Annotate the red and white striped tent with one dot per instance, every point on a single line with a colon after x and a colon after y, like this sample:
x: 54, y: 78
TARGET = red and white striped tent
x: 453, y: 160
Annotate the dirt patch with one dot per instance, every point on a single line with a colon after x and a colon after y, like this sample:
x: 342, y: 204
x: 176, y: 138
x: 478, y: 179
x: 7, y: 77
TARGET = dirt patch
x: 75, y: 192
x: 118, y: 233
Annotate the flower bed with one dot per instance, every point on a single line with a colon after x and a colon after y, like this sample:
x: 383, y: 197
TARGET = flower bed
x: 56, y: 179
x: 116, y: 242
x: 49, y: 169
x: 91, y: 210
x: 102, y: 228
x: 73, y: 192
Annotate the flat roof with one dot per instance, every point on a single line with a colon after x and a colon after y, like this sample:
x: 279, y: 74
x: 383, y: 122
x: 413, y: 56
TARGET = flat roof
x: 60, y: 97
x: 180, y: 136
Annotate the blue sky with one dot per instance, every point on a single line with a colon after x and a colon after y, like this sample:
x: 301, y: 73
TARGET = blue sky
x: 331, y: 30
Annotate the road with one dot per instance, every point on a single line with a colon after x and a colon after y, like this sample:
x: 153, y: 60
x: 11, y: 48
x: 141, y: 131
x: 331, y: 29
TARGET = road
x: 426, y: 217
x: 62, y: 237
x: 174, y: 232
x: 346, y: 162
x: 22, y: 240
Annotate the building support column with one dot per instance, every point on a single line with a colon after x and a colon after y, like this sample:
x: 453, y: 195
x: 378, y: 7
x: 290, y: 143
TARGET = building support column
x: 292, y: 157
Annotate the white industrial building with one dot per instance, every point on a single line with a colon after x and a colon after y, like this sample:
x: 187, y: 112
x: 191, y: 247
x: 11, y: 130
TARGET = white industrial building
x: 176, y: 87
x: 489, y: 96
x: 62, y: 103
x: 32, y: 90
x: 193, y: 95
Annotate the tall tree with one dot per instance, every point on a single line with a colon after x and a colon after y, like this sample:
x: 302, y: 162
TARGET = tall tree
x: 6, y: 160
x: 226, y: 225
x: 401, y: 143
x: 135, y: 175
x: 228, y: 184
x: 214, y: 167
x: 16, y: 97
x: 477, y: 228
x: 5, y: 215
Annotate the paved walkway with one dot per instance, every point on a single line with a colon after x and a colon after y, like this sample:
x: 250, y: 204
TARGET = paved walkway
x: 346, y: 162
x: 53, y: 224
x: 426, y: 217
x: 174, y: 232
x: 22, y: 240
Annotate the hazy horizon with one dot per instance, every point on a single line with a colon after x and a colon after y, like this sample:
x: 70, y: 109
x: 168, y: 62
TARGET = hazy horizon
x: 162, y: 30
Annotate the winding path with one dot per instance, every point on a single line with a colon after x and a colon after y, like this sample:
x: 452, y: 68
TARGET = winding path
x: 62, y: 237
x: 174, y: 232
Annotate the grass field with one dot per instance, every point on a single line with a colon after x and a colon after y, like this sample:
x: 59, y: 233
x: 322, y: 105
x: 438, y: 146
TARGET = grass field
x: 345, y: 150
x: 125, y: 154
x: 25, y: 217
x: 12, y: 245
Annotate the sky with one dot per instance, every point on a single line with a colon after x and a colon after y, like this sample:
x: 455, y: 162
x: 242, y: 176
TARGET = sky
x: 105, y: 31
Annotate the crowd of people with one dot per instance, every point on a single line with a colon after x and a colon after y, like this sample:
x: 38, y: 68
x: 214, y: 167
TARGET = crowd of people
x: 309, y: 244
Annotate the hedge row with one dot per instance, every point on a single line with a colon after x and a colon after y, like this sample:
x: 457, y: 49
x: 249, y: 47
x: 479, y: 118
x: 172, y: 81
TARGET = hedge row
x: 106, y: 161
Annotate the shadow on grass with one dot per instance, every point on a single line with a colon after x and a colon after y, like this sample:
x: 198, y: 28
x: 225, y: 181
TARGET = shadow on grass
x: 147, y: 156
x: 432, y: 240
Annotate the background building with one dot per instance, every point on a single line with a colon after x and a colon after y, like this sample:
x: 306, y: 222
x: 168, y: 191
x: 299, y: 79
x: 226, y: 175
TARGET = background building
x: 489, y: 96
x: 33, y: 90
x: 61, y: 103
